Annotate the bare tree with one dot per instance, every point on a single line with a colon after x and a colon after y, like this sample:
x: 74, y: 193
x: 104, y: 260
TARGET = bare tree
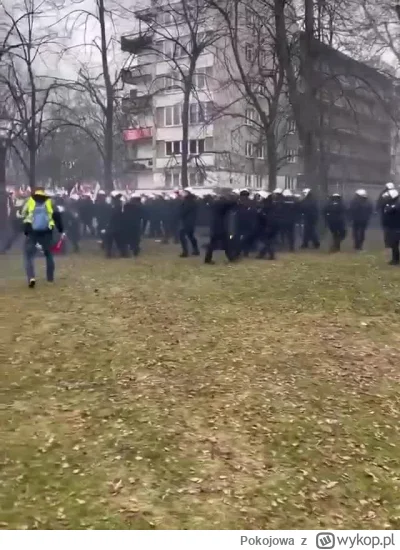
x: 28, y: 90
x: 98, y: 80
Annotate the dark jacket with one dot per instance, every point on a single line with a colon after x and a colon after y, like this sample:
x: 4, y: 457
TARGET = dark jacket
x: 188, y: 211
x: 360, y: 210
x: 335, y: 212
x: 391, y: 216
x: 219, y: 215
x: 309, y: 209
x: 133, y: 214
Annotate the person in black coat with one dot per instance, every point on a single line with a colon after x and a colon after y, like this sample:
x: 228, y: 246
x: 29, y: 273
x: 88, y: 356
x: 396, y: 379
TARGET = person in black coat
x: 289, y: 216
x: 133, y: 216
x: 187, y: 223
x: 360, y: 212
x: 266, y: 226
x: 220, y: 211
x: 309, y: 213
x: 335, y: 217
x: 115, y: 232
x: 243, y: 223
x: 391, y: 224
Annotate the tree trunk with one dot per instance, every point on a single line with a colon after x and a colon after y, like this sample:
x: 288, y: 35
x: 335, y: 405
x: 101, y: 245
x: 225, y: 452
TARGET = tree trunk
x: 32, y: 167
x: 109, y: 152
x: 185, y: 123
x: 272, y: 157
x: 302, y: 103
x: 109, y: 110
x: 185, y: 137
x: 3, y: 190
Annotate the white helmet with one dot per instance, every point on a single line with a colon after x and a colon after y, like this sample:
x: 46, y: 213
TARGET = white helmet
x: 389, y: 186
x: 393, y: 194
x: 264, y: 194
x: 278, y: 191
x: 361, y: 192
x: 306, y: 191
x: 287, y: 193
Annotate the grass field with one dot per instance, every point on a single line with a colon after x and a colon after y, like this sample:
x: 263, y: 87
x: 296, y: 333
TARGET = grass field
x: 162, y: 393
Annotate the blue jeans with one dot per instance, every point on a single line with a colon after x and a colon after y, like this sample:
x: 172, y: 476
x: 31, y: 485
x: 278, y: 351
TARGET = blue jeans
x: 45, y: 240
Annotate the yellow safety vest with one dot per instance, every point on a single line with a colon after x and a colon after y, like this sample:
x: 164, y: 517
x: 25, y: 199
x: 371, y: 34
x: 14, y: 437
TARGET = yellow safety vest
x: 29, y: 208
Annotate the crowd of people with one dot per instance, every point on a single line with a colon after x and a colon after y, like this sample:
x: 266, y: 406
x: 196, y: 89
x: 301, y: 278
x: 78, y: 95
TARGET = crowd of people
x: 238, y: 222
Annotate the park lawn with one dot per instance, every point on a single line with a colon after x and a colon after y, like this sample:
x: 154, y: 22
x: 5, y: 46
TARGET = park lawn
x: 162, y: 393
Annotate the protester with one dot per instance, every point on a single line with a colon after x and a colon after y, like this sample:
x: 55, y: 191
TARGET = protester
x: 40, y: 218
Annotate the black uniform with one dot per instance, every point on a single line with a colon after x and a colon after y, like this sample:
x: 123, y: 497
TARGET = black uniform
x: 289, y: 216
x: 72, y: 229
x: 335, y: 217
x: 187, y: 225
x: 391, y: 223
x: 268, y: 227
x: 360, y: 211
x: 309, y: 213
x: 219, y: 229
x: 243, y: 226
x: 116, y: 232
x: 133, y: 218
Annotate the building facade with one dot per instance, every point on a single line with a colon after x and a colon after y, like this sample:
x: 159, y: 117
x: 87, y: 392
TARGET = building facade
x: 354, y: 120
x: 352, y: 112
x: 226, y: 147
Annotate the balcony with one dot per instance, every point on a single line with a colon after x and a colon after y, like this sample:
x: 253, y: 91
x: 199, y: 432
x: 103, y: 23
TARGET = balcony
x: 137, y: 75
x: 136, y: 104
x: 135, y: 44
x: 136, y: 134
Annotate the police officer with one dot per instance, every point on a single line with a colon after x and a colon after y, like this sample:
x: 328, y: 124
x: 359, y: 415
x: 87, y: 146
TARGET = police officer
x: 360, y: 211
x: 290, y: 211
x: 220, y: 211
x: 133, y: 214
x: 309, y: 213
x: 335, y: 217
x: 115, y: 232
x: 391, y: 224
x: 187, y: 223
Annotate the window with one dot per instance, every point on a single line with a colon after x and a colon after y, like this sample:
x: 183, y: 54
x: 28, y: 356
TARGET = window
x: 260, y: 151
x: 172, y: 115
x: 168, y: 49
x: 167, y: 18
x: 171, y: 82
x: 172, y: 179
x: 251, y: 20
x: 249, y: 52
x: 199, y: 81
x: 249, y: 149
x: 250, y: 117
x: 292, y: 127
x: 196, y: 179
x: 172, y: 148
x: 247, y: 180
x: 263, y: 58
x: 258, y: 182
x: 290, y: 182
x: 195, y: 147
x: 199, y: 112
x: 291, y: 155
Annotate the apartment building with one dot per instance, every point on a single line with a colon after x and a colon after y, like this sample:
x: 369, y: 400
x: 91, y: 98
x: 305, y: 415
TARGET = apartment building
x: 354, y: 117
x: 226, y: 147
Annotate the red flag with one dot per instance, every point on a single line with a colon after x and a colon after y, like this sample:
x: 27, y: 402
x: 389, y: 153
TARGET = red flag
x: 56, y: 249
